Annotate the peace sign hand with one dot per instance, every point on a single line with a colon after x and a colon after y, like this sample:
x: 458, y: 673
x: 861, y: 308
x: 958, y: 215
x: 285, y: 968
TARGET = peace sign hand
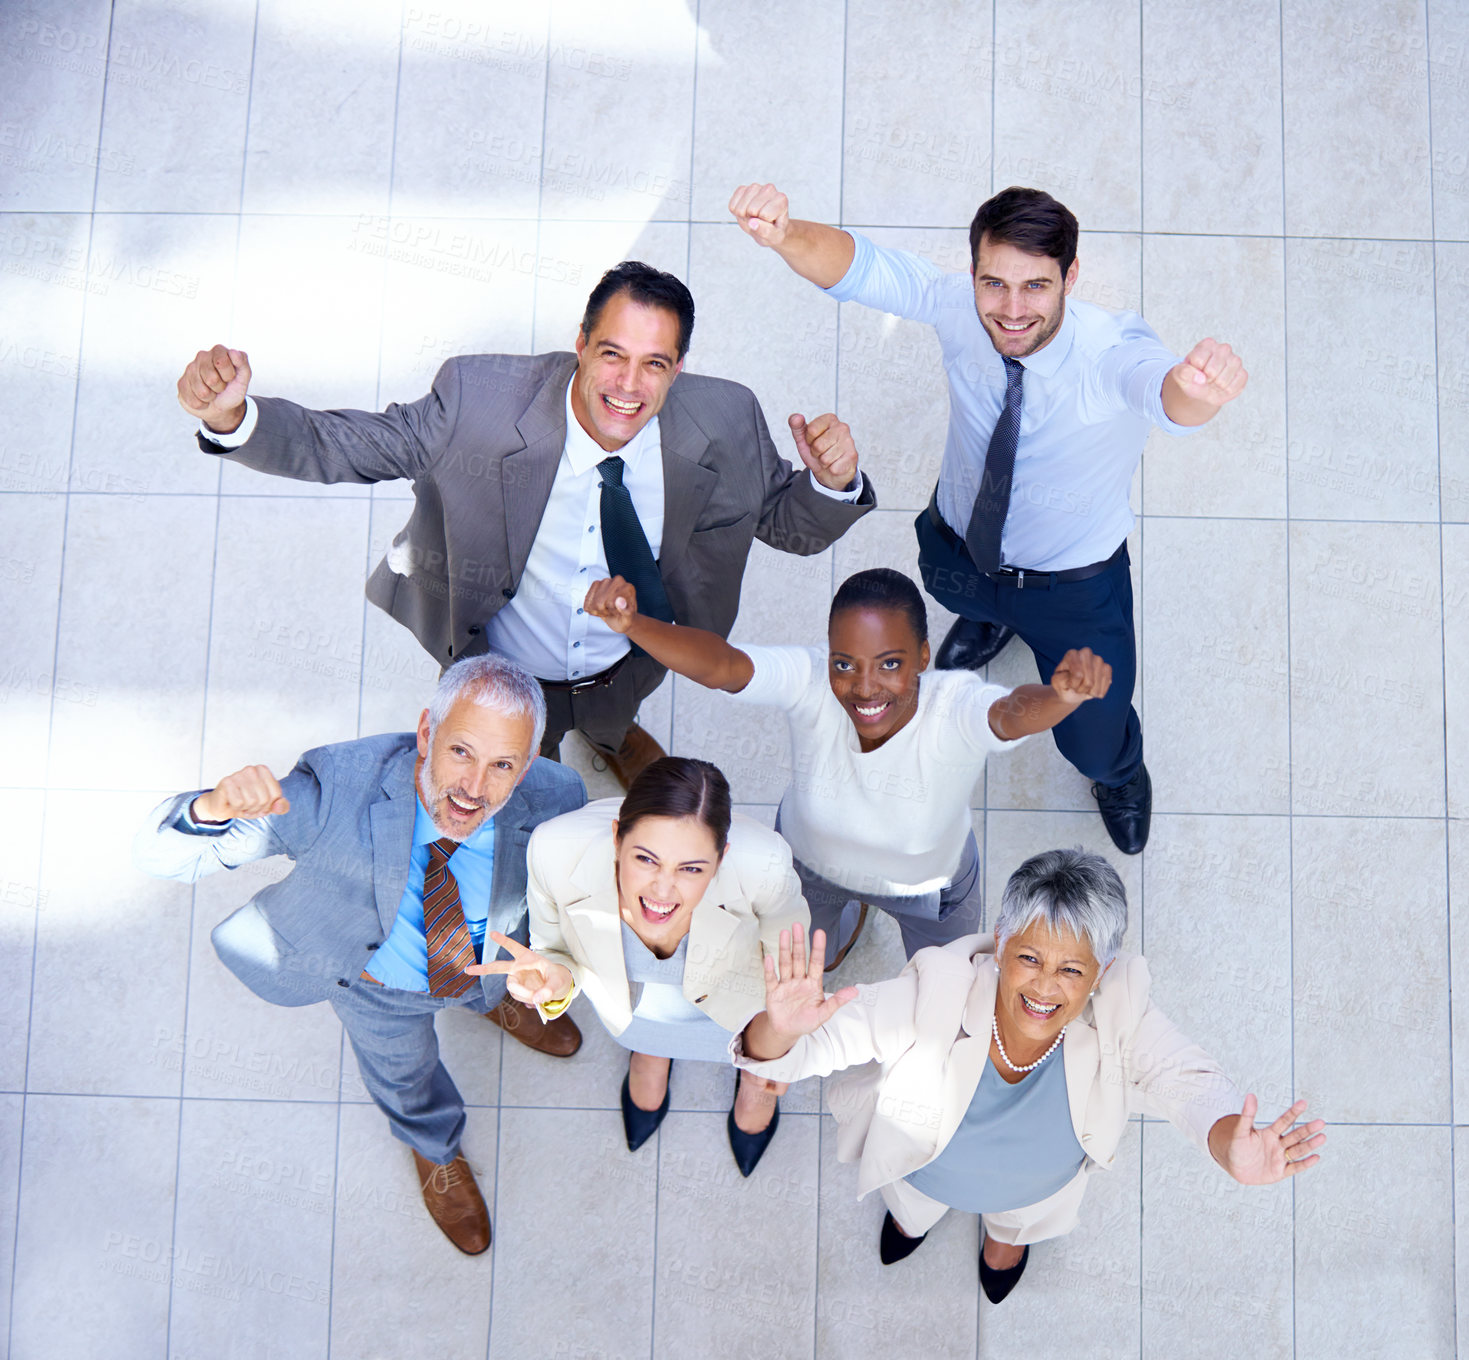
x: 795, y: 999
x: 528, y: 977
x: 1264, y: 1156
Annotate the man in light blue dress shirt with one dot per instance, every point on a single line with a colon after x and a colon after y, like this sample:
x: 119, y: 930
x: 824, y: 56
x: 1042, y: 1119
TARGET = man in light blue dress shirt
x: 1049, y: 407
x: 346, y: 925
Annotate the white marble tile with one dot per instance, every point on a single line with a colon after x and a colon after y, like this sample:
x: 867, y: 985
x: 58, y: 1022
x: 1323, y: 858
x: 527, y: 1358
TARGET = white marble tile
x: 1081, y: 1291
x: 1110, y: 270
x: 95, y: 1224
x: 471, y: 94
x: 750, y: 745
x: 452, y: 287
x: 917, y: 141
x: 726, y: 1242
x: 596, y: 1299
x: 575, y: 255
x: 768, y: 112
x: 1200, y: 1224
x: 378, y: 1307
x: 178, y: 87
x: 322, y: 99
x: 43, y: 279
x: 1459, y: 959
x: 23, y: 899
x: 1218, y: 287
x: 54, y: 64
x: 1366, y: 728
x: 1362, y: 443
x: 237, y: 1046
x: 1218, y: 942
x: 309, y: 305
x: 1218, y: 730
x: 159, y: 290
x: 925, y: 1305
x: 1448, y: 75
x: 132, y: 643
x: 1364, y: 998
x: 30, y: 580
x: 763, y: 326
x: 253, y: 1229
x: 1455, y: 663
x: 1374, y: 1221
x: 619, y: 113
x: 1066, y: 107
x: 300, y: 638
x: 1201, y: 172
x: 1356, y: 159
x: 1452, y: 302
x: 590, y: 1079
x: 111, y: 957
x: 11, y: 1111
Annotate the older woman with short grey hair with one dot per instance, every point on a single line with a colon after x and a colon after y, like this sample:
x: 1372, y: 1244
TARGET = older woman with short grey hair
x: 996, y: 1073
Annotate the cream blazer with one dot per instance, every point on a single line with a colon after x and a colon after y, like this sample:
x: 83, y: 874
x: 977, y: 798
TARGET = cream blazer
x: 571, y: 889
x: 919, y: 1042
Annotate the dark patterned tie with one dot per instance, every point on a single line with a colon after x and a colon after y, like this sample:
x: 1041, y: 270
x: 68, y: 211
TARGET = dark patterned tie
x: 987, y: 520
x: 450, y: 949
x: 626, y: 545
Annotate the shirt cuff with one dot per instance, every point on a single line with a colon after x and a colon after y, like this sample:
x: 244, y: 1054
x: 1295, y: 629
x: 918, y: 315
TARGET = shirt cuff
x: 184, y: 819
x: 235, y: 438
x: 850, y: 493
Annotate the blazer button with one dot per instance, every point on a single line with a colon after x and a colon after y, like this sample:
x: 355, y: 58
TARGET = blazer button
x: 698, y: 999
x: 374, y: 946
x: 473, y: 630
x: 342, y: 982
x: 508, y: 592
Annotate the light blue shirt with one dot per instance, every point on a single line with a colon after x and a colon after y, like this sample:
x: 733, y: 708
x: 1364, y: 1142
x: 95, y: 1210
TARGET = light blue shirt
x: 402, y: 959
x: 1090, y: 397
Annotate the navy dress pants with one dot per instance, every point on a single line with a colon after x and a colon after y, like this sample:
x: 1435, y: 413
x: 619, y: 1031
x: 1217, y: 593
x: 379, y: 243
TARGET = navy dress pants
x: 1103, y: 738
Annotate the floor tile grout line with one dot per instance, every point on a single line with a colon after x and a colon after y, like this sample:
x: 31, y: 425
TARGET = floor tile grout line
x: 1142, y: 501
x: 541, y: 177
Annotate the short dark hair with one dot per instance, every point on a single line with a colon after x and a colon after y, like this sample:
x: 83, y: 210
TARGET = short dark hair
x: 882, y: 588
x: 649, y: 286
x: 678, y: 786
x: 1028, y: 219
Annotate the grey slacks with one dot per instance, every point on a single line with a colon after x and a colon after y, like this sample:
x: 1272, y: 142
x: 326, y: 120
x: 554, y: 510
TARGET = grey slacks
x: 604, y: 714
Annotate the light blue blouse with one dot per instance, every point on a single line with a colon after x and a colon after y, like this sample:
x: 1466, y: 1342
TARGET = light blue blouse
x: 665, y: 1023
x: 1015, y: 1145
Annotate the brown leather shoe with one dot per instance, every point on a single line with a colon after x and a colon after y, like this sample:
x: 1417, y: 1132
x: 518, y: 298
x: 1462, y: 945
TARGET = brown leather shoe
x: 847, y: 948
x: 637, y: 752
x: 454, y: 1202
x: 559, y: 1037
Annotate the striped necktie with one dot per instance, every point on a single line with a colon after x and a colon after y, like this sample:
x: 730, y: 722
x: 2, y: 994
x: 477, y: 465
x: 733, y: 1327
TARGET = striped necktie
x: 450, y: 949
x: 987, y: 521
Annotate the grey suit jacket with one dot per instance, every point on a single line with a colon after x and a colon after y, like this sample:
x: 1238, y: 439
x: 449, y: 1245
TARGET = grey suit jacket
x: 482, y: 450
x: 350, y: 833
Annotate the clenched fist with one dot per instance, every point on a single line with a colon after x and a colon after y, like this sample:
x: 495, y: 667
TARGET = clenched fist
x: 1081, y: 675
x: 826, y: 447
x: 763, y: 211
x: 1209, y: 376
x: 213, y: 387
x: 251, y: 792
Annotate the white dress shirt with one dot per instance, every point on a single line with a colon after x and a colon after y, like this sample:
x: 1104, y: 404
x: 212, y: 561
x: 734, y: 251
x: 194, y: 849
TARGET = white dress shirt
x: 543, y: 626
x: 1090, y: 396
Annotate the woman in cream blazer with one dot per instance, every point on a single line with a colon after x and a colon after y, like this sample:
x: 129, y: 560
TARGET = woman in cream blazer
x: 957, y: 1095
x: 668, y: 890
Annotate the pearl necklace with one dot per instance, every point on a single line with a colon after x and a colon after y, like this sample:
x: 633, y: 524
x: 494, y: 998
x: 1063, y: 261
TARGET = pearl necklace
x: 1029, y: 1067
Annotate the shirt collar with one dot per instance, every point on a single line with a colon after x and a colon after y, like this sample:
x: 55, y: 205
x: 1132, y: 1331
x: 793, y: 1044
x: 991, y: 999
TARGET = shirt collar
x: 426, y: 833
x: 584, y: 453
x: 1047, y: 360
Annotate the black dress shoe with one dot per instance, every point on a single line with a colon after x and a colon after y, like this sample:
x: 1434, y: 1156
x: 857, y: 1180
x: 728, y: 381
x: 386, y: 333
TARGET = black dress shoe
x: 998, y: 1283
x: 1128, y: 811
x: 971, y: 644
x: 893, y: 1244
x: 748, y: 1148
x: 640, y: 1124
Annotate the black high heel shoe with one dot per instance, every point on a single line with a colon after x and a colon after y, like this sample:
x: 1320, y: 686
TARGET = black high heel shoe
x: 748, y: 1148
x: 637, y: 1123
x: 894, y: 1244
x: 998, y: 1283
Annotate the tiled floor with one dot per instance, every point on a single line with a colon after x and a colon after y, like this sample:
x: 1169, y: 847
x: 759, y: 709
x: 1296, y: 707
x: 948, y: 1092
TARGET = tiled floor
x: 352, y: 192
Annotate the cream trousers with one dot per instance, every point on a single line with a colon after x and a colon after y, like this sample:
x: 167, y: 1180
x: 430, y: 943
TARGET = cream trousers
x: 1053, y: 1216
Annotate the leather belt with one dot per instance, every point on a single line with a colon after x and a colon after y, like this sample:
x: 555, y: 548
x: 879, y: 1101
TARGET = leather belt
x: 598, y: 681
x: 1023, y: 578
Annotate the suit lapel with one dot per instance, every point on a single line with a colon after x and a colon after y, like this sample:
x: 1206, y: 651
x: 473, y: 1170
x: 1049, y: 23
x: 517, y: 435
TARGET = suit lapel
x: 391, y: 819
x: 687, y: 484
x: 1081, y: 1054
x: 530, y: 472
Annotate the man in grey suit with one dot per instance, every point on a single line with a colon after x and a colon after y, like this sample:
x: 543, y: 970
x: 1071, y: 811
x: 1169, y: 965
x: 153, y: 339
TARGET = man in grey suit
x: 409, y: 855
x: 519, y: 507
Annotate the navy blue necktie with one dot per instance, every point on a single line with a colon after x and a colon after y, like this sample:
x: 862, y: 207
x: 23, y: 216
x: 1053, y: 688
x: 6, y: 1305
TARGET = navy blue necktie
x: 626, y: 545
x: 987, y: 520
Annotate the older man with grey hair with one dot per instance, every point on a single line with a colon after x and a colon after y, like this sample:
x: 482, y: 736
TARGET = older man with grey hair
x: 409, y: 853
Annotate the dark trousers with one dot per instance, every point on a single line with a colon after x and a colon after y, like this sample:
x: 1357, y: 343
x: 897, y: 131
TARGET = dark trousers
x: 602, y: 715
x: 1103, y: 738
